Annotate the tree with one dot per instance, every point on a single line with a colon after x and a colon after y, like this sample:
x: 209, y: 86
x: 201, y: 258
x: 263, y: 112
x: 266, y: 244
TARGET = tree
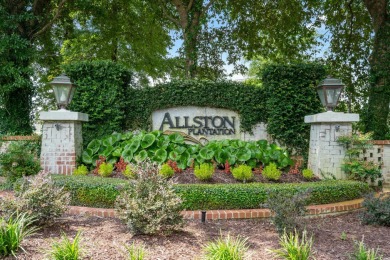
x: 24, y: 26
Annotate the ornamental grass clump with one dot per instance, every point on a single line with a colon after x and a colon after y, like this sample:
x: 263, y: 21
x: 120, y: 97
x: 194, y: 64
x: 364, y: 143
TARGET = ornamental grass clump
x: 294, y: 246
x: 135, y: 252
x: 65, y: 249
x: 12, y: 232
x: 149, y: 204
x: 228, y: 248
x: 271, y: 172
x: 242, y: 173
x: 204, y: 171
x: 363, y: 253
x: 38, y: 197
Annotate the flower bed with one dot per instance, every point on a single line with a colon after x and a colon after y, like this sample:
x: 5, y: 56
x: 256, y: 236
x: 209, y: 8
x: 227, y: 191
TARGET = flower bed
x: 101, y: 192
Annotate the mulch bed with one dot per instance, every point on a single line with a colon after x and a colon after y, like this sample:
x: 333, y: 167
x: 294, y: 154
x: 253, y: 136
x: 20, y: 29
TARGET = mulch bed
x: 105, y: 238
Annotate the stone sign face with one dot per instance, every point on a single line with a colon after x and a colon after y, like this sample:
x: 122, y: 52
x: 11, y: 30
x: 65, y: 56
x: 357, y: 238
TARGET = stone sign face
x: 211, y: 123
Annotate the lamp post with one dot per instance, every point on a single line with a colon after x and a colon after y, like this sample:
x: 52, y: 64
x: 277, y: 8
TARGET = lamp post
x: 329, y: 91
x: 63, y: 90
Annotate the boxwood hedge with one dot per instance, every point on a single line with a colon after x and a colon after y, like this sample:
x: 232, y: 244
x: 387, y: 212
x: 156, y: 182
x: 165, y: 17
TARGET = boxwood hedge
x: 101, y: 192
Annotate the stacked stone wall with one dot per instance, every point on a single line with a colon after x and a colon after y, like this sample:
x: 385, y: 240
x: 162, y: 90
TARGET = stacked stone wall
x: 380, y: 154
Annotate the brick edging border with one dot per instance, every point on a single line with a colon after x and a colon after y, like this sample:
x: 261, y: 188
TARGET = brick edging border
x: 316, y: 210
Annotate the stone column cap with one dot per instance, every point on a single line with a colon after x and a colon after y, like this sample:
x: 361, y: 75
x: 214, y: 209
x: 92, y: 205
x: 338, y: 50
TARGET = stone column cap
x: 332, y: 117
x: 63, y: 115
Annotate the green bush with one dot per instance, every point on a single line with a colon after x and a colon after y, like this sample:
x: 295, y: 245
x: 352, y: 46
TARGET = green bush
x: 227, y: 248
x: 81, y: 170
x: 99, y: 192
x: 65, y: 249
x: 377, y: 210
x: 13, y: 231
x: 149, y: 205
x: 308, y: 174
x: 242, y: 173
x: 19, y: 160
x: 40, y: 198
x: 294, y: 246
x: 129, y: 172
x: 291, y: 95
x: 102, y: 88
x: 271, y: 172
x: 105, y: 169
x: 204, y: 171
x: 166, y: 171
x: 287, y: 213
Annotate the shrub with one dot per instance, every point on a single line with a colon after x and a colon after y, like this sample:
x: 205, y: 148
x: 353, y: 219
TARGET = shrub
x: 92, y: 191
x: 105, y: 169
x: 166, y: 171
x: 271, y: 172
x: 19, y: 160
x: 294, y: 247
x: 362, y: 253
x: 39, y: 197
x: 65, y: 249
x: 135, y: 252
x: 242, y: 173
x: 377, y: 210
x: 287, y: 213
x: 307, y: 174
x: 229, y: 248
x: 149, y: 205
x: 81, y: 170
x: 204, y: 171
x: 129, y: 172
x: 13, y: 231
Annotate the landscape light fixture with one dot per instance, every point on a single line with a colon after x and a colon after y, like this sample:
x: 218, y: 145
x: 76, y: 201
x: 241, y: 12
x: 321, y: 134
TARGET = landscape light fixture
x: 63, y: 90
x: 329, y: 91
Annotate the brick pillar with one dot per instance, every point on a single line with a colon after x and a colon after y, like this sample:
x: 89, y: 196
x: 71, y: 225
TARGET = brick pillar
x: 61, y: 140
x: 325, y: 153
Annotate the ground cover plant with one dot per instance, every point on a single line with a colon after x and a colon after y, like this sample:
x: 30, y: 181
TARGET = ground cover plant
x: 65, y: 249
x: 228, y: 248
x: 294, y: 246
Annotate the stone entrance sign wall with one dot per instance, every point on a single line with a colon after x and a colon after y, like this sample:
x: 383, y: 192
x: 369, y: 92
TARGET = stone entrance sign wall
x: 205, y: 122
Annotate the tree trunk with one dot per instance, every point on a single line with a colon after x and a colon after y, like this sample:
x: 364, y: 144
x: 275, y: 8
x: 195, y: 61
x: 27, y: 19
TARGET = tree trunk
x: 377, y: 116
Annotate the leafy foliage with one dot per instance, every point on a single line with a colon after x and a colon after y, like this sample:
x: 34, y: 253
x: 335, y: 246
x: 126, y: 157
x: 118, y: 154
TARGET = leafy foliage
x: 149, y: 205
x: 135, y: 252
x: 99, y: 192
x: 291, y: 96
x: 40, y: 198
x: 363, y: 253
x: 105, y: 169
x: 287, y: 212
x: 81, y: 170
x: 294, y: 246
x: 242, y: 173
x: 101, y: 93
x: 228, y: 248
x: 19, y: 160
x: 166, y: 171
x: 354, y: 166
x: 377, y: 210
x: 129, y: 172
x: 271, y: 172
x: 307, y: 174
x: 65, y: 249
x: 204, y: 171
x: 13, y: 231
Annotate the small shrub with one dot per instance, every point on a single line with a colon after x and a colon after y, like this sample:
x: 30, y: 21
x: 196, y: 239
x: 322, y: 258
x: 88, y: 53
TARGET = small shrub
x: 13, y: 231
x: 242, y: 173
x: 166, y: 171
x: 81, y: 170
x: 129, y: 172
x: 288, y: 213
x: 135, y: 252
x: 228, y: 249
x: 362, y: 253
x: 149, y: 205
x: 271, y: 172
x: 294, y: 247
x: 39, y: 197
x: 204, y: 171
x: 19, y: 160
x: 105, y: 169
x: 65, y: 249
x: 307, y: 174
x: 377, y: 210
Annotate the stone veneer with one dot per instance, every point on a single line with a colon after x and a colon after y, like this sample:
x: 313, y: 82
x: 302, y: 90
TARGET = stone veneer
x: 61, y: 140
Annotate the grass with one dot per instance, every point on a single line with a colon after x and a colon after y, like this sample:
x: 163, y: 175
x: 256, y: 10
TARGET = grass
x: 227, y: 248
x: 294, y: 246
x: 362, y: 253
x: 66, y: 249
